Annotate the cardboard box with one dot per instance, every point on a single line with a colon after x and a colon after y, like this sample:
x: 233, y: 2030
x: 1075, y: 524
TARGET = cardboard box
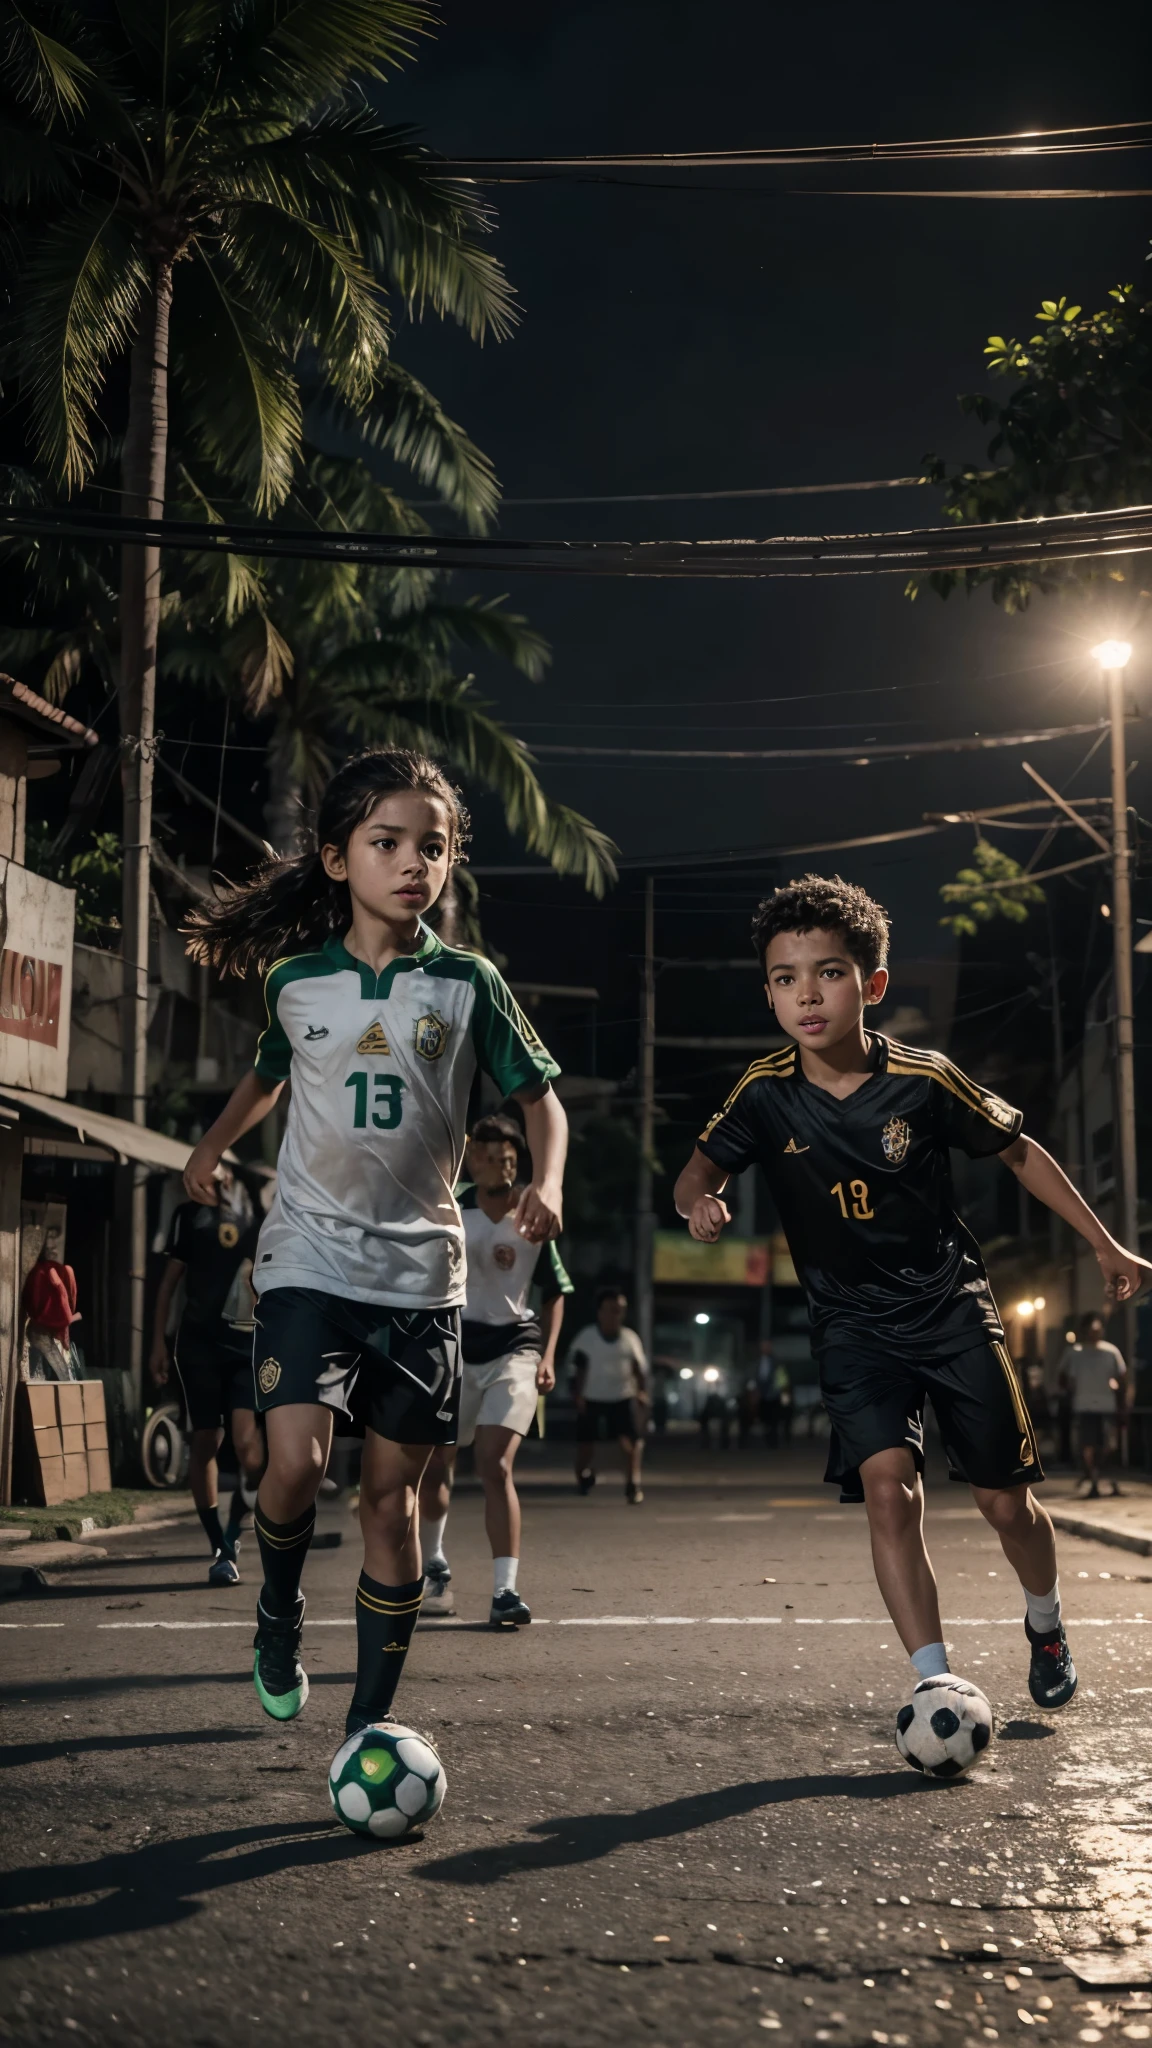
x: 40, y: 1396
x: 47, y: 1443
x: 70, y: 1401
x: 99, y: 1472
x: 93, y: 1394
x: 95, y: 1436
x: 76, y: 1475
x: 72, y: 1438
x: 52, y: 1489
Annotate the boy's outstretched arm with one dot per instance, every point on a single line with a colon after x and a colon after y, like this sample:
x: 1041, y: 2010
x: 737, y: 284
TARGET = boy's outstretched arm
x: 698, y: 1192
x: 1124, y: 1272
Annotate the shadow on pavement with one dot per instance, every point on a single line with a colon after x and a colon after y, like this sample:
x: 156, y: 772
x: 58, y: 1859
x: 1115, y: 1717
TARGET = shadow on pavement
x: 583, y: 1838
x: 1025, y: 1731
x: 159, y: 1885
x: 150, y: 1681
x: 17, y: 1753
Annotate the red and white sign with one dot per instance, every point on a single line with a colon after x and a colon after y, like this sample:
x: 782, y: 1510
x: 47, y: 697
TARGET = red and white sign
x: 37, y: 919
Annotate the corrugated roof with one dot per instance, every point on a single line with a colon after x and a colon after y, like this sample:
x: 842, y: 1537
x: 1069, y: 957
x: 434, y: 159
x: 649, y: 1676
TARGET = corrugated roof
x: 20, y: 702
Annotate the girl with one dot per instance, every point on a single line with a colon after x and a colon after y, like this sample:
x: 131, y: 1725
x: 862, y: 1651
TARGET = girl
x: 509, y: 1359
x: 360, y: 1266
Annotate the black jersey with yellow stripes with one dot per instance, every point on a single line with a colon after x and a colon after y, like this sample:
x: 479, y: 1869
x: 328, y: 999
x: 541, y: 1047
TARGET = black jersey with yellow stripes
x: 863, y: 1187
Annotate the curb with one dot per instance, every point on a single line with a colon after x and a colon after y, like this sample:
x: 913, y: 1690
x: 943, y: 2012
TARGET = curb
x: 1101, y: 1532
x: 21, y: 1582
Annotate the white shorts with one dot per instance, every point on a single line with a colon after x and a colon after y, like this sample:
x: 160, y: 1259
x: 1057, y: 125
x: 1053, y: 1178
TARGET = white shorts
x: 501, y: 1393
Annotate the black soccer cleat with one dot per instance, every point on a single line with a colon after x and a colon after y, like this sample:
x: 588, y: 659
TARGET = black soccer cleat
x: 585, y: 1481
x: 634, y: 1493
x: 278, y: 1675
x: 508, y: 1610
x: 1052, y: 1676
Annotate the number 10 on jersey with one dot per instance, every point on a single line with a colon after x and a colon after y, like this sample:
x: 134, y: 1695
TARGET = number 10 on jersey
x: 857, y: 1195
x: 387, y: 1106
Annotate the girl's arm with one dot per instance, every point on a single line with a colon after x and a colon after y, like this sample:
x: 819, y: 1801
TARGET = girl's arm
x: 698, y: 1192
x: 1124, y: 1272
x: 551, y: 1317
x: 248, y: 1103
x: 539, y: 1211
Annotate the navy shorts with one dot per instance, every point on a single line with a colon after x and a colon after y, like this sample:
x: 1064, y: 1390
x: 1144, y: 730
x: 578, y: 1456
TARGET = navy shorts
x: 392, y: 1370
x: 215, y: 1375
x: 605, y: 1421
x: 876, y: 1403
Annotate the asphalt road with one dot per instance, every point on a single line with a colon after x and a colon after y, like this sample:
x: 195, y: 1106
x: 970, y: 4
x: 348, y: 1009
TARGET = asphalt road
x: 674, y: 1811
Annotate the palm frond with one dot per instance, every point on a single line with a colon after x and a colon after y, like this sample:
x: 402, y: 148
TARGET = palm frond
x: 32, y: 166
x: 401, y: 418
x: 242, y: 397
x: 305, y: 281
x: 309, y: 51
x: 78, y: 296
x: 483, y: 624
x: 42, y: 70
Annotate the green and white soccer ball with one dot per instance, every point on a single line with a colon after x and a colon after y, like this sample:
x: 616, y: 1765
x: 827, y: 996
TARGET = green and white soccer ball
x: 385, y: 1781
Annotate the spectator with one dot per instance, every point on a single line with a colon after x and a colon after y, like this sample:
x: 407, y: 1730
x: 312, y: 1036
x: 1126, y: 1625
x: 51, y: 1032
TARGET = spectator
x: 1097, y: 1378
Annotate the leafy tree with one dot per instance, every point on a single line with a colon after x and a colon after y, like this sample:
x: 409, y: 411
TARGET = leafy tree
x: 994, y: 886
x: 94, y: 873
x: 1074, y: 436
x: 198, y: 195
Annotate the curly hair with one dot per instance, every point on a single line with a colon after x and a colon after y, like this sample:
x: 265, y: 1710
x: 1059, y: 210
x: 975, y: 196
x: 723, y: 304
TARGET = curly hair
x: 815, y: 903
x: 291, y: 904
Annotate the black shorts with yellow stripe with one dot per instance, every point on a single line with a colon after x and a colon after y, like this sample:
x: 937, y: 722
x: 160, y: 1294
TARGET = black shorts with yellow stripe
x: 392, y: 1370
x: 876, y: 1403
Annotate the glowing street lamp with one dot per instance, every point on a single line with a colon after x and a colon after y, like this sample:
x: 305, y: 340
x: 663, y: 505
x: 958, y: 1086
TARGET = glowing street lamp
x: 1113, y: 657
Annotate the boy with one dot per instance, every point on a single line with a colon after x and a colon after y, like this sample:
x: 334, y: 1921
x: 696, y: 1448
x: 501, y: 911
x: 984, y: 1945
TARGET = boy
x: 509, y: 1360
x: 206, y: 1249
x: 611, y: 1384
x: 1096, y: 1376
x: 852, y: 1130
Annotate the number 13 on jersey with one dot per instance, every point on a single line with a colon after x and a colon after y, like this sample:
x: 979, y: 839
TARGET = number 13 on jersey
x: 387, y: 1104
x: 857, y: 1196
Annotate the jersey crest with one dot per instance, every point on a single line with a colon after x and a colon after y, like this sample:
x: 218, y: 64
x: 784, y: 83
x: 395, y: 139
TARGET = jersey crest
x: 895, y: 1139
x: 374, y: 1040
x: 431, y: 1035
x: 227, y: 1235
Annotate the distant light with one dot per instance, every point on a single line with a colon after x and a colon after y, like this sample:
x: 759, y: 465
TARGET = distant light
x: 686, y: 1372
x: 710, y: 1373
x: 1039, y: 1303
x: 1069, y: 1336
x: 1112, y: 654
x: 1105, y: 910
x: 1025, y: 1308
x: 702, y: 1318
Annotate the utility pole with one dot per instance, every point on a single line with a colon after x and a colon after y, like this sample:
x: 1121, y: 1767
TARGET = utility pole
x: 1113, y: 657
x: 645, y: 1220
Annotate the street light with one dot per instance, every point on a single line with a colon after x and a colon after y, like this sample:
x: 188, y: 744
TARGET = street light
x: 1113, y: 657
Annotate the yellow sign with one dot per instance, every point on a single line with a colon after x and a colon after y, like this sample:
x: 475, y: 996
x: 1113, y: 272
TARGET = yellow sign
x: 677, y: 1260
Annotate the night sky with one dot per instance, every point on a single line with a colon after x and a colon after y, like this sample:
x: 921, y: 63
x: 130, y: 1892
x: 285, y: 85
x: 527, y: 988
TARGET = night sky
x: 738, y: 336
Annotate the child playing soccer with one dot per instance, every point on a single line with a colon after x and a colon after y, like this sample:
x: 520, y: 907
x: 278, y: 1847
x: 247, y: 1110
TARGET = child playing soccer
x: 509, y: 1359
x: 360, y: 1267
x: 852, y: 1130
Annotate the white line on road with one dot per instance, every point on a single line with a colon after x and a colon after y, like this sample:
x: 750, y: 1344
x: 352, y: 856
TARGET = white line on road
x: 642, y: 1621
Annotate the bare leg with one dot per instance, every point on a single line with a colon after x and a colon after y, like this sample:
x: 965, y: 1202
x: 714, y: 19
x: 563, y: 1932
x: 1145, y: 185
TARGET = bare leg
x: 299, y: 1438
x: 436, y: 1485
x: 1025, y: 1531
x: 632, y: 1452
x: 894, y: 1497
x: 496, y: 1450
x: 202, y: 1473
x: 389, y: 1488
x: 248, y: 1443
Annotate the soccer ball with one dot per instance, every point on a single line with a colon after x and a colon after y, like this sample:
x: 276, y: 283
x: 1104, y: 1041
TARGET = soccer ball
x: 945, y: 1726
x: 384, y: 1781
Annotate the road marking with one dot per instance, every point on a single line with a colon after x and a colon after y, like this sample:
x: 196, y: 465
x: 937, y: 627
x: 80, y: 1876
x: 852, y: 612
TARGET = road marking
x: 447, y: 1623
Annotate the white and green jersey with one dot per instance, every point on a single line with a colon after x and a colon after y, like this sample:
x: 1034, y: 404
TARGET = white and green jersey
x: 381, y: 1069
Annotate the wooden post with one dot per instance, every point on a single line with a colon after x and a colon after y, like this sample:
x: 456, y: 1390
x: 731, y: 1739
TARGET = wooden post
x: 11, y: 1170
x: 13, y: 789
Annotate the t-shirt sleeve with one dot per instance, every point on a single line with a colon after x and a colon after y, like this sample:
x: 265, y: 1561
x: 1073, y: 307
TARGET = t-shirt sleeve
x: 273, y: 1052
x: 549, y: 1275
x: 578, y: 1351
x: 639, y: 1353
x: 178, y: 1232
x: 974, y: 1119
x: 507, y: 1046
x: 730, y: 1139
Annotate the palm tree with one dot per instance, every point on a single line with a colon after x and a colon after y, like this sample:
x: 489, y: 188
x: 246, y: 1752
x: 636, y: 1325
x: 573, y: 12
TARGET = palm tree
x: 198, y: 191
x: 339, y: 653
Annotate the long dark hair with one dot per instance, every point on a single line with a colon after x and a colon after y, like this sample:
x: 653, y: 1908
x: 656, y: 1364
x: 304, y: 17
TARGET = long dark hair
x: 293, y: 905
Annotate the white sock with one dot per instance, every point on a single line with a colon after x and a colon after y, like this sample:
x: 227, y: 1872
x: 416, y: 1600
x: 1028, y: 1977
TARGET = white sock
x: 432, y: 1539
x: 248, y: 1494
x: 504, y: 1571
x: 1044, y: 1610
x: 931, y: 1661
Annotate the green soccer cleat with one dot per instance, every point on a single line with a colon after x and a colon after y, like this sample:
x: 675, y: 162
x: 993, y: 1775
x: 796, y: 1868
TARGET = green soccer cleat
x: 279, y: 1677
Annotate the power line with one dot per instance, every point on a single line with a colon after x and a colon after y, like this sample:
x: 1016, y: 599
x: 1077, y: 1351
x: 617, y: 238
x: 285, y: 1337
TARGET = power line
x: 1005, y: 543
x: 886, y: 483
x: 889, y: 750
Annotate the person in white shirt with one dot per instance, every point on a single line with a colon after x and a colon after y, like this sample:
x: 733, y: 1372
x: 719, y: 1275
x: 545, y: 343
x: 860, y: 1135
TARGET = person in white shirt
x: 1096, y: 1375
x: 611, y: 1384
x: 509, y: 1360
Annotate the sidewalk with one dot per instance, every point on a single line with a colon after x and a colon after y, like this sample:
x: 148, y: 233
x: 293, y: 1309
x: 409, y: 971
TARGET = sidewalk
x: 1125, y: 1523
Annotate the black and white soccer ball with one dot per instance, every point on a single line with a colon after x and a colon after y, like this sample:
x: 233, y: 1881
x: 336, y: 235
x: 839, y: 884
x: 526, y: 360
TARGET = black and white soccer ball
x: 946, y: 1726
